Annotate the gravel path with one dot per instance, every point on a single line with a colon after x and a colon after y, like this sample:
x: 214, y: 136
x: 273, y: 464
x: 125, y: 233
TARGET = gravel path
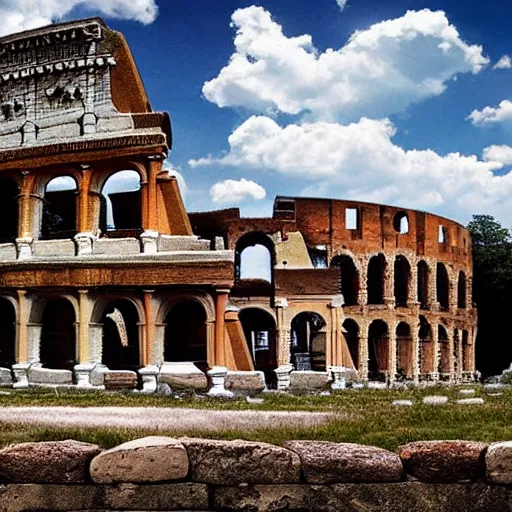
x: 179, y: 419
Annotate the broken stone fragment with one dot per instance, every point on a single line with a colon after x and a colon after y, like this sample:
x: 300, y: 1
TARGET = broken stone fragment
x: 150, y: 459
x: 325, y: 462
x: 499, y: 462
x: 444, y: 461
x: 47, y: 462
x: 240, y: 462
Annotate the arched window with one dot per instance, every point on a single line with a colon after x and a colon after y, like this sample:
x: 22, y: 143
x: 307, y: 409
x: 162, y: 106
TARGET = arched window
x: 58, y: 335
x: 121, y: 336
x: 401, y: 223
x: 444, y: 351
x: 376, y: 271
x: 402, y: 279
x: 426, y: 347
x: 185, y: 334
x: 9, y: 191
x: 308, y: 342
x: 351, y: 334
x: 461, y: 290
x: 121, y: 204
x: 260, y: 334
x: 254, y: 257
x: 59, y: 209
x: 378, y: 350
x: 442, y: 287
x: 349, y: 278
x: 423, y: 284
x: 7, y: 333
x: 404, y: 351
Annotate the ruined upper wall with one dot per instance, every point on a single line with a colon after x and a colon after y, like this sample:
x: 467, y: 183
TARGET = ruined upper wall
x: 73, y: 87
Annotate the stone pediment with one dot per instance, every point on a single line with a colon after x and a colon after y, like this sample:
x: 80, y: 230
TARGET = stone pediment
x: 57, y: 85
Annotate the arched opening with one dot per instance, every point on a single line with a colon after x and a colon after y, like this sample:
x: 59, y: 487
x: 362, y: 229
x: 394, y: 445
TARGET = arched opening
x: 7, y: 333
x: 121, y: 336
x: 442, y: 287
x: 260, y: 334
x: 404, y: 351
x: 349, y: 278
x: 467, y: 354
x: 401, y: 281
x: 426, y: 347
x: 444, y: 351
x: 121, y: 205
x: 376, y: 274
x: 423, y: 284
x: 461, y: 291
x: 401, y: 223
x: 58, y: 335
x: 378, y: 350
x: 59, y: 209
x: 351, y: 333
x: 308, y: 342
x: 9, y: 192
x: 186, y: 335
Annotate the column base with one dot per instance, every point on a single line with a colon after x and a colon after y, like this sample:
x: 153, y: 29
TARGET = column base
x: 149, y: 241
x: 20, y: 371
x: 218, y: 377
x: 83, y: 375
x: 24, y: 247
x: 149, y: 376
x: 84, y: 243
x: 339, y: 382
x: 283, y: 377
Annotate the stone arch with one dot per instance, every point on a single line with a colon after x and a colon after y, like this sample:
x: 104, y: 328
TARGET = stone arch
x: 378, y: 350
x: 351, y: 332
x: 9, y: 192
x: 308, y: 341
x: 260, y: 334
x: 255, y: 239
x: 442, y: 287
x: 461, y: 290
x: 60, y: 207
x: 202, y: 298
x: 8, y: 315
x: 402, y: 280
x: 376, y: 279
x: 423, y: 284
x: 349, y: 278
x: 404, y: 351
x: 444, y: 350
x: 425, y: 339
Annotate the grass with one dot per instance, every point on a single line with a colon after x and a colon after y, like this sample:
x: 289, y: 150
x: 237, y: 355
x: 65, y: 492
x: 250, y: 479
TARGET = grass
x: 367, y: 417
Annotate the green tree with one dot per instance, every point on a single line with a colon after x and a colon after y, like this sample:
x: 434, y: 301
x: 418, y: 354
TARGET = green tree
x: 492, y: 293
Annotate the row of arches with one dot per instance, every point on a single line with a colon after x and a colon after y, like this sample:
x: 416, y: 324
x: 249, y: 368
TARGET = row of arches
x: 120, y: 206
x: 255, y: 259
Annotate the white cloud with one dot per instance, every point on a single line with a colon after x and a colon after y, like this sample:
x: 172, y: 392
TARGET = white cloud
x: 488, y: 115
x: 360, y: 161
x: 234, y: 191
x: 342, y: 4
x: 504, y: 63
x: 19, y: 15
x: 379, y: 71
x: 496, y: 153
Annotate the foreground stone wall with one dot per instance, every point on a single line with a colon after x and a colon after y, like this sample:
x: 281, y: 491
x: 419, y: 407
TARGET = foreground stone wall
x: 162, y: 473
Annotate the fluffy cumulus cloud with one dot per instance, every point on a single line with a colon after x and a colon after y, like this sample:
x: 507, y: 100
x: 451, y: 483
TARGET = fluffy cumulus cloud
x: 489, y: 115
x: 379, y: 71
x: 360, y: 161
x: 504, y: 63
x: 496, y: 153
x: 342, y: 4
x: 234, y: 191
x: 18, y: 15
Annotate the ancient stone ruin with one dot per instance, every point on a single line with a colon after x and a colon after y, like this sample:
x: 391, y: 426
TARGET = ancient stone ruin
x: 106, y: 281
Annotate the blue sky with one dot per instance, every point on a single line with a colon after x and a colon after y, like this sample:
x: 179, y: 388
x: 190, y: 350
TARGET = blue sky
x: 399, y: 102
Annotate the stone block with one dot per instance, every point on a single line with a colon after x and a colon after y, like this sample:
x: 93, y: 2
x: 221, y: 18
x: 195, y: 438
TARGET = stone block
x: 150, y: 459
x: 116, y: 246
x: 40, y: 375
x: 117, y: 380
x: 183, y: 376
x: 325, y: 462
x: 308, y: 381
x: 182, y: 496
x: 58, y: 132
x: 435, y: 400
x: 47, y: 462
x: 6, y: 377
x: 383, y: 497
x: 53, y: 248
x: 444, y: 461
x: 402, y: 403
x: 240, y: 462
x: 8, y: 252
x: 498, y: 460
x: 182, y: 243
x: 114, y: 124
x: 98, y: 375
x: 377, y: 385
x: 248, y: 382
x: 470, y: 401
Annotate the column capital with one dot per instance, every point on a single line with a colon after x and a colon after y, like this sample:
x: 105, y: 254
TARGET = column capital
x: 281, y: 302
x: 337, y: 302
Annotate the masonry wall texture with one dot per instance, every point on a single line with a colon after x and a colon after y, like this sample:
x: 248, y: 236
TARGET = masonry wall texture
x: 161, y: 473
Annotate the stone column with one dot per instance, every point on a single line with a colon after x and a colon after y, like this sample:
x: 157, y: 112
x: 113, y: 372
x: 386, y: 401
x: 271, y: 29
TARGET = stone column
x: 451, y: 360
x: 460, y: 357
x: 85, y: 237
x: 25, y: 226
x: 96, y: 342
x: 282, y: 332
x: 149, y: 331
x: 210, y: 342
x: 23, y: 353
x: 412, y: 295
x: 469, y: 292
x: 84, y: 310
x: 363, y: 351
x: 334, y: 353
x: 432, y: 285
x: 392, y: 359
x: 362, y: 298
x: 221, y: 302
x: 435, y: 352
x: 455, y: 354
x: 453, y: 278
x: 389, y: 283
x: 415, y: 353
x: 157, y: 355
